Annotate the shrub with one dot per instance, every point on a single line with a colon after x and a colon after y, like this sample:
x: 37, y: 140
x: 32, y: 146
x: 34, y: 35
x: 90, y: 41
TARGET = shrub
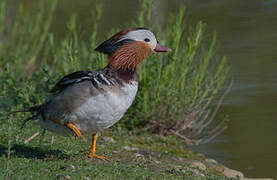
x: 176, y: 89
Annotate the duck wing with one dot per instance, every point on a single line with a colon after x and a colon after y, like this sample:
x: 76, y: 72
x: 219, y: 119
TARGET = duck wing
x: 70, y: 79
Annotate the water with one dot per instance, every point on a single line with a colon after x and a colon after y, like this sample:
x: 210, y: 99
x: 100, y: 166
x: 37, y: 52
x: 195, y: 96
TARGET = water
x: 247, y: 35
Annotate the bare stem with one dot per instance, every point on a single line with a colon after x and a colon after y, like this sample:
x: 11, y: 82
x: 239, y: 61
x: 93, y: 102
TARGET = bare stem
x: 30, y: 138
x: 9, y: 147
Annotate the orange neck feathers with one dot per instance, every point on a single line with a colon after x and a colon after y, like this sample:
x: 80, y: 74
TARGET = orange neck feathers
x: 129, y: 56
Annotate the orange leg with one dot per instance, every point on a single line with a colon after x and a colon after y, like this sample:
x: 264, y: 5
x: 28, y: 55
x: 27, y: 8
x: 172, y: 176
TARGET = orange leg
x: 93, y: 147
x: 74, y: 129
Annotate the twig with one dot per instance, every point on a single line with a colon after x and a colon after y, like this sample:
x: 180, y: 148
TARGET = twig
x: 187, y: 140
x: 9, y: 148
x: 216, y: 131
x: 30, y: 138
x: 202, y: 122
x: 218, y: 104
x: 186, y: 123
x: 52, y: 140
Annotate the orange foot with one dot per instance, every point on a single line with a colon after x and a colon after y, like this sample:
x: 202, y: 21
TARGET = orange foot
x: 74, y: 129
x: 98, y: 157
x: 93, y: 147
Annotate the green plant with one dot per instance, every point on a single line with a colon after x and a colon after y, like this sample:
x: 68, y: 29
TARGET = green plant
x: 176, y: 89
x: 172, y: 87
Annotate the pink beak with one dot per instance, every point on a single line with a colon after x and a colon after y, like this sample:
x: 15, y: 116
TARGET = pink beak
x: 160, y: 48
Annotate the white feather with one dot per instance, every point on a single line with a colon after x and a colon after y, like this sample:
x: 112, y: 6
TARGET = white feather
x: 98, y: 112
x: 140, y: 35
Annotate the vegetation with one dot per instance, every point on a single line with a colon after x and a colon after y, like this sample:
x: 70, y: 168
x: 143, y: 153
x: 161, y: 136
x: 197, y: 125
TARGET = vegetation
x: 176, y: 90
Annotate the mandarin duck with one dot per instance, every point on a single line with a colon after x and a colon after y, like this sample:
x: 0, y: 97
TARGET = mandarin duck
x: 87, y: 102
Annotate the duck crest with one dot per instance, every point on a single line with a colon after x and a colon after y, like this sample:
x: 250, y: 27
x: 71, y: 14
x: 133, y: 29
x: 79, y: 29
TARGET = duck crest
x: 112, y: 44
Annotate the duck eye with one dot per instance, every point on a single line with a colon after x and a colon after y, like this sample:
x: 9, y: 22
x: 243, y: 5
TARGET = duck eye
x: 146, y: 40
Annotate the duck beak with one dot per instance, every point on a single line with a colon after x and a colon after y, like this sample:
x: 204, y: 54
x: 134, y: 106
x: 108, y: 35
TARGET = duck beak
x: 160, y: 48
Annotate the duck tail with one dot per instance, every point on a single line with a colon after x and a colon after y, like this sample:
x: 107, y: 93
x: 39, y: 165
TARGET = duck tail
x: 36, y: 109
x: 28, y: 109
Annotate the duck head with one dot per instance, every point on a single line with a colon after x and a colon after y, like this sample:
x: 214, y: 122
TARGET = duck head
x: 128, y: 48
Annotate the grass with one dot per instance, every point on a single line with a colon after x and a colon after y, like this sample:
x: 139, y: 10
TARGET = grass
x: 172, y: 86
x: 136, y: 157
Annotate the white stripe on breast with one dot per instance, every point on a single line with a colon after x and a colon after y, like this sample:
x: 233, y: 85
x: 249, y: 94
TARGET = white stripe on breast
x: 105, y: 79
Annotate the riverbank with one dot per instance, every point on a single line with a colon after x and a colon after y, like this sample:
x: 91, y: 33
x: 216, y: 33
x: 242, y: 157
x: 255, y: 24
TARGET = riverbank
x: 131, y: 155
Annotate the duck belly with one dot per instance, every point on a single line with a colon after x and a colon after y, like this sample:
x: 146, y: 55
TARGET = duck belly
x: 97, y: 112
